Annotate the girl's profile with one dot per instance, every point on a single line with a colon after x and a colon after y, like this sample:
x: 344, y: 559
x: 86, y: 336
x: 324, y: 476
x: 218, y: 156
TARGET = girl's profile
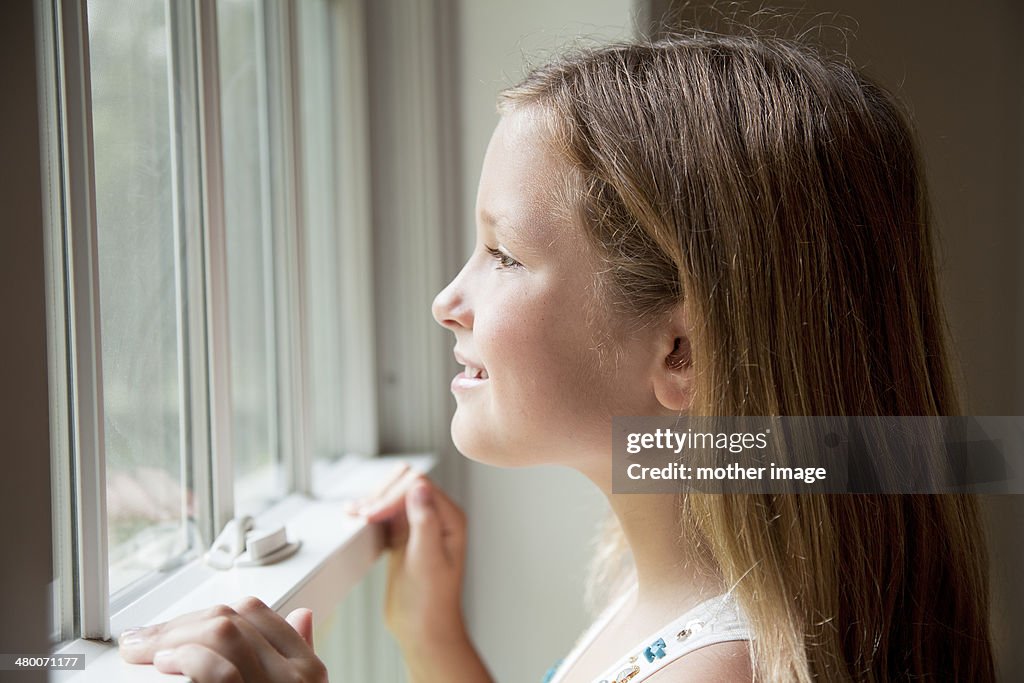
x: 701, y: 225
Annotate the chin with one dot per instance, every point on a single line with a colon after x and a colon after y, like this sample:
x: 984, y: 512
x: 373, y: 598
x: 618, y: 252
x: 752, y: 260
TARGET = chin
x: 478, y: 450
x: 485, y: 449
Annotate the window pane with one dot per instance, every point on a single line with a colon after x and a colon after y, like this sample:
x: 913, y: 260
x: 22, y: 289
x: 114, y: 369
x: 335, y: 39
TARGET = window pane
x: 322, y: 286
x: 148, y: 511
x: 257, y: 459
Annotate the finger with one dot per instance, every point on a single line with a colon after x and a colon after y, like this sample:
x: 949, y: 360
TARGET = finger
x: 199, y: 663
x: 397, y: 475
x: 393, y: 503
x: 138, y: 645
x: 230, y: 637
x: 426, y: 543
x: 453, y: 519
x: 274, y: 629
x: 302, y: 621
x: 396, y: 532
x: 269, y: 657
x: 220, y: 629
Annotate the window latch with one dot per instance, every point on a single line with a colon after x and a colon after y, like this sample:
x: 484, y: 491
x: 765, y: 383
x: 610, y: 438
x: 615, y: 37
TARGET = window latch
x: 241, y: 544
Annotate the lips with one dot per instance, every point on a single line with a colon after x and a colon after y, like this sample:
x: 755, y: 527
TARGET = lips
x: 473, y: 368
x: 472, y: 375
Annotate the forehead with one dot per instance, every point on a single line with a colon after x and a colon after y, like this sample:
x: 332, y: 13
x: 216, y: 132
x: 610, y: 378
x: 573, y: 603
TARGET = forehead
x: 523, y: 179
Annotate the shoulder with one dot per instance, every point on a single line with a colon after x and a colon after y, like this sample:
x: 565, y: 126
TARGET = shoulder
x: 723, y: 662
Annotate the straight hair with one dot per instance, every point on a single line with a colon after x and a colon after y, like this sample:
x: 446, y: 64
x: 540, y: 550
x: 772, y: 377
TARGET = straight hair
x: 777, y: 193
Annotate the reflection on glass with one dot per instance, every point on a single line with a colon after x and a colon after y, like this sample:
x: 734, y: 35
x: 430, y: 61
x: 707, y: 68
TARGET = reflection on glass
x: 243, y: 81
x: 148, y: 505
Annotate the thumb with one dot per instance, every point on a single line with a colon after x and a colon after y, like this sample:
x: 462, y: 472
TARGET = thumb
x: 302, y: 621
x: 425, y: 540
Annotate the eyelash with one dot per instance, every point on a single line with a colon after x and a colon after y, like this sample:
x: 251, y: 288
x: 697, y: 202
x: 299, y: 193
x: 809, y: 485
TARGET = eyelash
x: 504, y: 260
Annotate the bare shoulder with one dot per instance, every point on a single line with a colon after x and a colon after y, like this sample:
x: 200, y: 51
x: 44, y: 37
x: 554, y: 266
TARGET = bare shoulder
x: 723, y: 663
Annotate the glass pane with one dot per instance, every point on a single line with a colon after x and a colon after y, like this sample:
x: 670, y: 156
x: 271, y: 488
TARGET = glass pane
x: 318, y: 120
x: 148, y: 507
x: 258, y: 471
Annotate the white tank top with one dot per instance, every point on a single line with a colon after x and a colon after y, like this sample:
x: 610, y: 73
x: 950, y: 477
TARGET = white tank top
x: 717, y: 620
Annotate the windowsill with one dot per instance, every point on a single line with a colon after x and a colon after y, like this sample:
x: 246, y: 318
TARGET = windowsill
x: 337, y: 551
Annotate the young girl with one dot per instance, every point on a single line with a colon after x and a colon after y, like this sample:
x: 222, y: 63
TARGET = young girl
x: 705, y: 225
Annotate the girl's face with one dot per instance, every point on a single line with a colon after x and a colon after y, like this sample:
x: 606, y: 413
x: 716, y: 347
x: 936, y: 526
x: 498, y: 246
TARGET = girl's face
x: 528, y: 325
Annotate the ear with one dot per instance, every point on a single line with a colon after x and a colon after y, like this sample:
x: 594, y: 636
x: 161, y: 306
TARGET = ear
x: 673, y: 372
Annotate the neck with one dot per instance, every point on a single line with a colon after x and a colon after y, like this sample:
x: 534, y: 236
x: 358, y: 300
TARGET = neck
x: 669, y: 571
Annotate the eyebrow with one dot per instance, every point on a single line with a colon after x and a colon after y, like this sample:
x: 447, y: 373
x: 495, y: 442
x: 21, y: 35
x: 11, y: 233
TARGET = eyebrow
x: 508, y: 231
x: 504, y: 228
x: 494, y: 220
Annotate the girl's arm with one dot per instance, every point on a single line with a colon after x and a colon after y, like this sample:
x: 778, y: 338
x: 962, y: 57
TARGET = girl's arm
x: 437, y: 660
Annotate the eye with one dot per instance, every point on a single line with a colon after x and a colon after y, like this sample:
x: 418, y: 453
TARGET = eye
x: 503, y: 259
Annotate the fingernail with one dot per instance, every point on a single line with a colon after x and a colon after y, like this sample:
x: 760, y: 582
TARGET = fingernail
x: 421, y: 496
x: 162, y: 655
x: 131, y: 636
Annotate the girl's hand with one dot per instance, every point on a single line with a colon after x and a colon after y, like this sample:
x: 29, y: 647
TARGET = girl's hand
x: 249, y: 643
x: 426, y: 534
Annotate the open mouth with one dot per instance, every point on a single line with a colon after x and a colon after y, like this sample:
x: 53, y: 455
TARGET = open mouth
x: 471, y: 375
x: 474, y: 373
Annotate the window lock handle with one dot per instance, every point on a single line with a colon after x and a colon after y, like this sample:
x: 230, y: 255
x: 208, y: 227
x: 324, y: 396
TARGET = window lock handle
x: 241, y: 544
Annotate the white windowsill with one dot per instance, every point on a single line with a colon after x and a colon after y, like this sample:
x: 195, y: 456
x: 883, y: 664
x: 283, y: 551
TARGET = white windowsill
x: 337, y: 551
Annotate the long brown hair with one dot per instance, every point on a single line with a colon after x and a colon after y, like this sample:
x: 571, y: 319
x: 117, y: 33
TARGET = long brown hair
x: 777, y: 193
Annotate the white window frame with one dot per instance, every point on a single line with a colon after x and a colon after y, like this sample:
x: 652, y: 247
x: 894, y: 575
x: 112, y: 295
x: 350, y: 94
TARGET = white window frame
x: 337, y: 552
x: 76, y: 257
x: 74, y: 329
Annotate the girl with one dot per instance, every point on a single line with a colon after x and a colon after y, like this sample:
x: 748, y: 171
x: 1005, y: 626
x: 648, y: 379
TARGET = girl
x: 704, y: 225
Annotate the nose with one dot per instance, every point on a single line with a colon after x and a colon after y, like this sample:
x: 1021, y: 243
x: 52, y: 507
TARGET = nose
x: 451, y: 309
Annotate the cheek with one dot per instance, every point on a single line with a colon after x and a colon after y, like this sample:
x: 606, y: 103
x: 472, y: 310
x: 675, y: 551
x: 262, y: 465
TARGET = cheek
x: 550, y: 398
x: 546, y: 361
x: 519, y: 344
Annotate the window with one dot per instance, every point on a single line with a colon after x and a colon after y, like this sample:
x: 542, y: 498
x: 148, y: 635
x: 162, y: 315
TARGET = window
x: 250, y: 240
x: 201, y: 262
x: 223, y: 324
x: 141, y: 303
